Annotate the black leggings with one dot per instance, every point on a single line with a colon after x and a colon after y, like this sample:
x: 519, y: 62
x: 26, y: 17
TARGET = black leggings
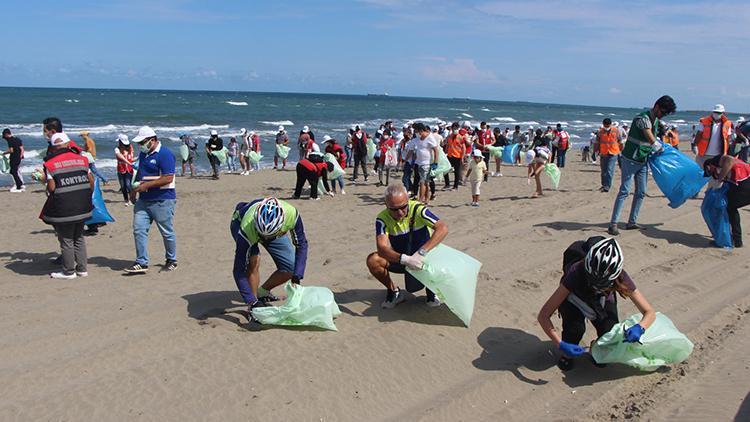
x: 15, y: 172
x: 305, y: 175
x: 737, y: 197
x: 574, y: 323
x: 456, y: 164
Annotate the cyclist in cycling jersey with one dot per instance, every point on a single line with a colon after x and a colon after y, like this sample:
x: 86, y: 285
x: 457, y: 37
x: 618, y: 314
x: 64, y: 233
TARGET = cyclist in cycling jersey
x: 266, y: 221
x: 405, y: 231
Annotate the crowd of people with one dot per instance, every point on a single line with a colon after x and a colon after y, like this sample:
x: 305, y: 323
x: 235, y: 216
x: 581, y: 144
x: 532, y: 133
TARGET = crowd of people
x: 406, y: 229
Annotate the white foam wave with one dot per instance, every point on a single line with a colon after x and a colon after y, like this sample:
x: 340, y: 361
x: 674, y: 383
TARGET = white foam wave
x: 678, y: 121
x: 599, y: 114
x: 467, y: 115
x: 277, y: 123
x: 577, y: 121
x: 564, y: 123
x: 428, y: 120
x: 69, y: 100
x: 485, y: 109
x: 504, y: 119
x: 237, y: 103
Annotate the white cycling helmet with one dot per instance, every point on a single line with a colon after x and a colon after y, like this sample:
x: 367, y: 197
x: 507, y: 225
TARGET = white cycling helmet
x: 269, y: 217
x: 603, y: 263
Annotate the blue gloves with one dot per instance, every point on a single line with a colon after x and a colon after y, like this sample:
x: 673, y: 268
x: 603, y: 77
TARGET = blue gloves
x: 571, y: 350
x: 633, y: 334
x: 433, y: 166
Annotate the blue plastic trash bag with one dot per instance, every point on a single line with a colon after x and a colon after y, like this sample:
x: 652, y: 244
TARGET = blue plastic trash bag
x: 714, y: 210
x: 100, y: 213
x: 311, y: 306
x: 443, y: 165
x: 495, y: 151
x: 661, y: 344
x: 554, y: 173
x: 452, y: 275
x: 510, y: 152
x: 678, y: 176
x: 282, y: 151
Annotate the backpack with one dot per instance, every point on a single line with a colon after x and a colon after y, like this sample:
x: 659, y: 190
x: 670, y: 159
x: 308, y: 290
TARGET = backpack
x: 577, y: 251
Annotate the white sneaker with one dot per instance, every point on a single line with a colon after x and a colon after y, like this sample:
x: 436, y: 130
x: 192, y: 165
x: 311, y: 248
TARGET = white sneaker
x: 62, y: 276
x: 343, y: 192
x: 127, y: 203
x: 499, y: 175
x: 16, y: 190
x: 82, y: 273
x: 433, y: 303
x: 493, y: 174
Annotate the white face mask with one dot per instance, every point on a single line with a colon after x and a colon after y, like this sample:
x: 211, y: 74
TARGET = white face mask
x: 717, y: 116
x: 146, y: 147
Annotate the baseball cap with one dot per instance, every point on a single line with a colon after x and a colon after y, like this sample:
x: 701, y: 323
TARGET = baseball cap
x: 59, y: 139
x: 476, y: 153
x: 281, y: 128
x: 144, y: 133
x: 718, y: 108
x: 305, y: 129
x: 214, y: 132
x: 123, y: 138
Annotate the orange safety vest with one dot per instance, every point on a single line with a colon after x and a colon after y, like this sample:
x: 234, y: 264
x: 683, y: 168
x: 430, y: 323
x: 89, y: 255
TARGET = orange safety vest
x: 454, y: 144
x: 704, y: 136
x: 608, y: 144
x: 672, y: 138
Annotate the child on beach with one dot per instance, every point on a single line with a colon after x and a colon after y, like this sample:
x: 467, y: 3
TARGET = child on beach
x: 477, y: 170
x: 232, y: 155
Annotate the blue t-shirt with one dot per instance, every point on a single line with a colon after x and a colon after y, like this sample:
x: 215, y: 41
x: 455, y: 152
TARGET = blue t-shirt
x: 152, y: 166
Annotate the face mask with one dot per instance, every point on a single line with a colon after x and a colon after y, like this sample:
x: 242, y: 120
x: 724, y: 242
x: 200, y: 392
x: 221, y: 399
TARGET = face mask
x: 146, y: 147
x: 717, y: 116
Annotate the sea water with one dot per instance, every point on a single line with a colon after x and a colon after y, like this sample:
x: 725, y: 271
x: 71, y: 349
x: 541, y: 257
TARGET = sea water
x: 105, y: 113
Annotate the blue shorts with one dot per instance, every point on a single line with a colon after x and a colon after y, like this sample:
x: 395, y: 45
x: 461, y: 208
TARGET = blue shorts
x: 282, y: 252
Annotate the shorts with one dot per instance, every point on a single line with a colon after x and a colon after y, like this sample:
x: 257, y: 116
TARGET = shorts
x: 412, y: 284
x: 475, y: 184
x: 282, y: 252
x: 424, y: 174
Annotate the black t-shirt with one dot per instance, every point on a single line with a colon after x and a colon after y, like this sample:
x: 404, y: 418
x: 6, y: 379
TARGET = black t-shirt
x: 575, y: 280
x: 215, y: 144
x: 16, y: 144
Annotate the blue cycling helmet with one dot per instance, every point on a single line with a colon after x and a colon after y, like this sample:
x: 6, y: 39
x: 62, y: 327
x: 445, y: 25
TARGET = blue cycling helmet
x: 269, y: 217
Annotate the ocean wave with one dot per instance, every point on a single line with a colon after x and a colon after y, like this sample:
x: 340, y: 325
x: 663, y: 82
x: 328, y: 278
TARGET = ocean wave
x: 485, y: 109
x: 428, y: 120
x: 678, y: 121
x: 599, y: 114
x: 504, y: 119
x: 277, y: 123
x: 237, y: 103
x: 467, y: 115
x: 69, y: 100
x: 564, y: 123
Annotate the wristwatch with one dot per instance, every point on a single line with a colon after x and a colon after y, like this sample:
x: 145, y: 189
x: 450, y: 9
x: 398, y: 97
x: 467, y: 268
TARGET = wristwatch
x: 422, y: 252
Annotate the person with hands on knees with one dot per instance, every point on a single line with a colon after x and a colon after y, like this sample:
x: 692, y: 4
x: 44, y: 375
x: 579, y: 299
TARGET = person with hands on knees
x: 592, y: 275
x: 266, y: 221
x: 404, y: 232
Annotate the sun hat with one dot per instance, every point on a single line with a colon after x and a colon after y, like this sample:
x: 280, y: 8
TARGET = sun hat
x: 214, y: 132
x: 718, y: 108
x: 327, y: 138
x: 144, y: 133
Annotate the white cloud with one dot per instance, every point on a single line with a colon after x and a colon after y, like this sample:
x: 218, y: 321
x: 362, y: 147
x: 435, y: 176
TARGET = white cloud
x: 457, y: 70
x: 615, y: 90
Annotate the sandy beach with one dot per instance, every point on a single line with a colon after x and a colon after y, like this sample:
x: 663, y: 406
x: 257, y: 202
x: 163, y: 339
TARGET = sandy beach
x: 177, y: 346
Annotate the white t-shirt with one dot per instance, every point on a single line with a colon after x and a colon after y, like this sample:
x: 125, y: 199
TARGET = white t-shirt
x: 715, y: 144
x: 424, y: 150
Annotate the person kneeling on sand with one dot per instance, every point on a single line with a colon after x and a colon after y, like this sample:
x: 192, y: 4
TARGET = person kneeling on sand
x: 266, y: 221
x: 404, y: 232
x: 592, y: 274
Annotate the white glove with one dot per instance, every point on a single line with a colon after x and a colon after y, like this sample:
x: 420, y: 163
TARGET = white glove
x: 656, y: 147
x: 415, y: 262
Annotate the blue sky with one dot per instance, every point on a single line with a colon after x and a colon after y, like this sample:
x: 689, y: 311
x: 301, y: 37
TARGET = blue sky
x: 619, y: 53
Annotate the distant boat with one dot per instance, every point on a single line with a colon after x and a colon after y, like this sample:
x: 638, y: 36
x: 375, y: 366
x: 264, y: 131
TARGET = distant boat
x: 385, y: 94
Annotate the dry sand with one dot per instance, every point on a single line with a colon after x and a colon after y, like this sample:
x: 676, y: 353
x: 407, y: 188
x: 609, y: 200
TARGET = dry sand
x: 176, y: 346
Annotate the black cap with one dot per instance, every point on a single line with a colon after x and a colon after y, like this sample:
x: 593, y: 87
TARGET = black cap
x: 6, y: 131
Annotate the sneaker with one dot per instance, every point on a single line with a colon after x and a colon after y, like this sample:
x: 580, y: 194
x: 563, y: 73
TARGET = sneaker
x: 250, y: 317
x: 632, y: 226
x: 62, y: 276
x: 565, y: 363
x: 170, y: 265
x: 499, y: 175
x: 433, y: 302
x: 475, y: 204
x: 603, y: 189
x: 269, y: 297
x: 393, y: 298
x: 136, y: 269
x: 612, y: 229
x: 127, y: 204
x: 82, y: 273
x: 16, y: 190
x: 343, y: 192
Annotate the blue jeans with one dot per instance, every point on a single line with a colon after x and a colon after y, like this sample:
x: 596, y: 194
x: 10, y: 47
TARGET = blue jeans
x: 607, y: 164
x: 146, y: 212
x: 561, y: 157
x: 340, y: 181
x: 631, y: 169
x: 232, y: 162
x: 348, y: 151
x: 96, y: 173
x: 282, y: 252
x: 126, y: 180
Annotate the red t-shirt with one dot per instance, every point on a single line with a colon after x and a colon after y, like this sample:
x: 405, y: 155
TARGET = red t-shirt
x: 335, y: 149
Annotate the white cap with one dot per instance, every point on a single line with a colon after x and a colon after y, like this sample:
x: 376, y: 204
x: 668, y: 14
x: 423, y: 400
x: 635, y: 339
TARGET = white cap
x: 467, y: 123
x: 740, y: 119
x: 242, y: 131
x: 477, y: 153
x: 214, y: 132
x: 59, y: 139
x: 305, y: 129
x: 718, y: 108
x: 531, y: 127
x: 252, y: 133
x: 281, y: 128
x: 123, y: 138
x: 327, y: 138
x: 615, y: 124
x: 144, y: 132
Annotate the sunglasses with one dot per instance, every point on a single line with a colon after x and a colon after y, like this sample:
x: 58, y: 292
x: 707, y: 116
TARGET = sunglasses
x: 401, y: 208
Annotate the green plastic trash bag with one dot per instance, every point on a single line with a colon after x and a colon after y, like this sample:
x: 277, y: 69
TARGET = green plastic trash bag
x: 184, y: 152
x: 370, y: 149
x: 254, y: 157
x: 310, y: 306
x: 452, y: 275
x: 282, y: 151
x: 88, y: 156
x: 5, y: 164
x: 661, y: 344
x: 221, y: 155
x: 443, y: 165
x: 337, y: 170
x: 495, y: 151
x: 554, y: 173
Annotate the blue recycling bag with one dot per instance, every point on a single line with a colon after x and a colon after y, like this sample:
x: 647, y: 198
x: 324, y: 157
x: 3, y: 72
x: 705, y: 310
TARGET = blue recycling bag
x: 510, y: 152
x: 714, y: 210
x: 100, y: 213
x: 678, y: 177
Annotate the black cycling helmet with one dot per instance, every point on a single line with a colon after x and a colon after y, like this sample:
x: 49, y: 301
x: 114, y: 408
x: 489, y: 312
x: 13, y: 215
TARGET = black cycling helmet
x: 603, y: 263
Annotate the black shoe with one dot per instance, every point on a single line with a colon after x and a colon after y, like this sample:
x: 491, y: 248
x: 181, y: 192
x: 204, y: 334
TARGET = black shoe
x: 737, y: 242
x: 632, y: 226
x: 603, y: 189
x: 613, y: 230
x: 565, y: 363
x: 170, y: 265
x: 269, y: 297
x: 136, y: 269
x: 250, y: 317
x: 432, y: 197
